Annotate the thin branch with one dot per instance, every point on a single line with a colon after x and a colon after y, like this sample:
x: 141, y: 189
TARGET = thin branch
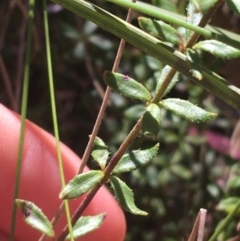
x: 194, y: 232
x: 20, y: 61
x: 88, y: 149
x: 104, y: 103
x: 96, y: 127
x: 7, y: 83
x: 202, y: 221
x: 113, y: 162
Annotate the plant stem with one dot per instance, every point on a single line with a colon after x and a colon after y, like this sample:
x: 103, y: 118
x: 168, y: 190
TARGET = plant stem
x: 226, y: 221
x: 154, y: 47
x: 54, y: 115
x: 23, y: 114
x: 96, y: 127
x: 105, y: 102
x: 113, y: 162
x: 203, y: 22
x: 179, y: 20
x: 7, y: 83
x: 122, y: 149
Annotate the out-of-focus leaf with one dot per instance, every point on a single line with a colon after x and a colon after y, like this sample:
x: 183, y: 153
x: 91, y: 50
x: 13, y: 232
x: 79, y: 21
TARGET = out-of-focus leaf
x: 163, y: 76
x: 138, y: 158
x: 101, y: 42
x: 160, y: 30
x: 81, y: 184
x: 87, y: 224
x: 181, y: 171
x: 70, y: 32
x: 234, y: 177
x: 235, y: 142
x: 165, y: 4
x: 152, y: 62
x: 195, y: 140
x: 187, y: 110
x: 89, y: 27
x: 228, y: 204
x: 34, y: 217
x: 236, y: 169
x: 125, y: 196
x: 234, y: 182
x: 194, y: 61
x: 213, y: 190
x: 79, y: 51
x: 165, y: 176
x: 126, y: 86
x: 134, y: 112
x: 204, y: 6
x: 159, y: 206
x: 234, y: 5
x: 218, y: 49
x: 100, y: 152
x: 171, y: 137
x: 151, y: 120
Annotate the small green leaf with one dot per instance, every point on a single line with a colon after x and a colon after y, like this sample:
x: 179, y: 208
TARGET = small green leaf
x: 160, y: 30
x: 81, y: 184
x: 194, y: 61
x: 138, y: 158
x: 228, y: 204
x: 87, y: 224
x: 151, y: 120
x: 34, y: 217
x: 218, y: 49
x: 187, y: 110
x: 126, y: 86
x: 234, y: 5
x: 100, y: 152
x: 125, y: 196
x: 163, y: 76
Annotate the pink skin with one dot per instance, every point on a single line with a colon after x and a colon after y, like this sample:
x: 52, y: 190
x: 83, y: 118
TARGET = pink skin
x: 40, y: 182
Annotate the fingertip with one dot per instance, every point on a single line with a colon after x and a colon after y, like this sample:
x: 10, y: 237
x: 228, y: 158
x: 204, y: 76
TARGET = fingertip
x: 40, y: 181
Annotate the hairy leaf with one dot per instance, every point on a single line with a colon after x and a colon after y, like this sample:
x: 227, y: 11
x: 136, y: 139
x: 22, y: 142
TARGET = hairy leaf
x: 126, y: 86
x: 138, y: 158
x: 81, y: 184
x: 160, y: 30
x: 87, y: 224
x: 194, y: 17
x: 163, y: 76
x: 218, y: 49
x: 100, y: 152
x: 151, y: 120
x: 187, y: 110
x: 154, y: 47
x: 34, y: 217
x: 194, y: 61
x: 125, y: 196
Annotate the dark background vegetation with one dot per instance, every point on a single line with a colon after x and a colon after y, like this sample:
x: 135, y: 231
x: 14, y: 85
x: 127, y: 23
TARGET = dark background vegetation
x: 187, y: 174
